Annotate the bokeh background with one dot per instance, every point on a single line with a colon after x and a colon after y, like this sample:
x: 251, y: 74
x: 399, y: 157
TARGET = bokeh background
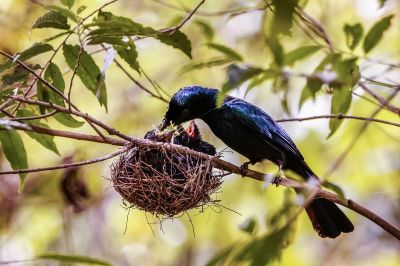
x: 38, y: 220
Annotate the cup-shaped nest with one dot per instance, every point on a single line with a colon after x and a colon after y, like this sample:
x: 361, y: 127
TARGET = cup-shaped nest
x: 164, y: 182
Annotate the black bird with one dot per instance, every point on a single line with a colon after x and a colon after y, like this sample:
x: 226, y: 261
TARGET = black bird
x: 253, y: 133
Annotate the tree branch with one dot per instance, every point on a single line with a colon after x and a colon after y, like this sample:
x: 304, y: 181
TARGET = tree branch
x: 222, y: 165
x: 339, y: 116
x: 63, y: 166
x: 110, y: 130
x: 380, y: 99
x: 187, y: 18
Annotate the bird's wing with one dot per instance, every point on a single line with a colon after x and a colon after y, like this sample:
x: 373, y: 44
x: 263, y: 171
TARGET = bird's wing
x: 260, y: 122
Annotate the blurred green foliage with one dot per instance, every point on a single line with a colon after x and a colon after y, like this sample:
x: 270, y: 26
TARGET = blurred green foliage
x: 291, y: 58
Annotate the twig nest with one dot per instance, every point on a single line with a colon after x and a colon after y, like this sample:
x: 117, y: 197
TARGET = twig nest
x: 164, y: 182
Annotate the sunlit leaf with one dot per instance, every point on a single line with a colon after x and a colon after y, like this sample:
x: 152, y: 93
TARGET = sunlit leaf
x: 87, y: 70
x: 300, y: 53
x: 14, y: 149
x: 177, y: 40
x: 283, y: 16
x: 18, y: 75
x: 65, y: 12
x: 221, y: 257
x: 129, y: 54
x: 34, y: 50
x: 375, y: 34
x: 54, y: 76
x: 68, y: 3
x: 276, y: 49
x: 208, y: 31
x: 249, y: 225
x: 229, y: 52
x: 73, y: 259
x: 353, y: 34
x: 101, y: 91
x: 213, y: 62
x: 52, y: 19
x: 81, y: 9
x: 236, y: 75
x: 266, y: 249
x: 46, y: 141
x: 340, y: 103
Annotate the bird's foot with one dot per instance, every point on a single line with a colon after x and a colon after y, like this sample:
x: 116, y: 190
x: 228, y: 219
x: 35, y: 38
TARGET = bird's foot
x: 244, y: 167
x: 277, y: 179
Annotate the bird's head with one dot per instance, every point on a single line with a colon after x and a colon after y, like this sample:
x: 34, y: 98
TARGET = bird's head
x: 189, y: 103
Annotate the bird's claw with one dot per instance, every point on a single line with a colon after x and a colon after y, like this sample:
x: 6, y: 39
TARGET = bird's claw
x: 243, y: 168
x: 277, y: 180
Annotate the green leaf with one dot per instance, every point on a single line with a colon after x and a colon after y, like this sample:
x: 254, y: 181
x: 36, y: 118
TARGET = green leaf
x: 283, y: 16
x: 46, y: 141
x: 249, y: 225
x: 353, y: 34
x: 115, y: 26
x: 51, y: 19
x: 229, y: 52
x: 300, y: 53
x: 206, y: 28
x: 177, y: 40
x: 348, y: 71
x: 129, y: 54
x: 87, y: 70
x: 15, y: 152
x: 34, y: 50
x: 276, y: 49
x: 72, y: 259
x: 65, y: 12
x: 81, y: 9
x: 266, y: 249
x: 340, y: 103
x: 236, y: 75
x: 67, y: 120
x: 213, y: 62
x: 17, y: 75
x: 101, y: 91
x: 54, y: 76
x: 110, y: 25
x: 52, y: 38
x: 68, y: 3
x: 375, y: 33
x: 221, y: 257
x: 382, y: 3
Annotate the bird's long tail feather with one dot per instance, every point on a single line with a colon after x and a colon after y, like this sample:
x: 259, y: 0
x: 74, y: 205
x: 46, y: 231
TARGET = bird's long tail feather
x: 327, y: 219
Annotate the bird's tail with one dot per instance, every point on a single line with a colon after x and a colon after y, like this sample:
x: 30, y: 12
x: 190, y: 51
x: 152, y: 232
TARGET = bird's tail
x: 326, y: 217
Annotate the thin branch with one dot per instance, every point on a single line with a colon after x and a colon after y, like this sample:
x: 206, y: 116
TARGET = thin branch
x: 138, y: 83
x: 109, y: 129
x: 339, y: 116
x: 63, y: 166
x: 187, y: 18
x: 361, y: 131
x: 34, y: 117
x: 380, y: 99
x: 64, y: 134
x: 212, y: 13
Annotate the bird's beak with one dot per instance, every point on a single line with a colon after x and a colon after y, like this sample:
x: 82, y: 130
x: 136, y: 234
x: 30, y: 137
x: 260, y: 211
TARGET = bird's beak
x: 164, y: 124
